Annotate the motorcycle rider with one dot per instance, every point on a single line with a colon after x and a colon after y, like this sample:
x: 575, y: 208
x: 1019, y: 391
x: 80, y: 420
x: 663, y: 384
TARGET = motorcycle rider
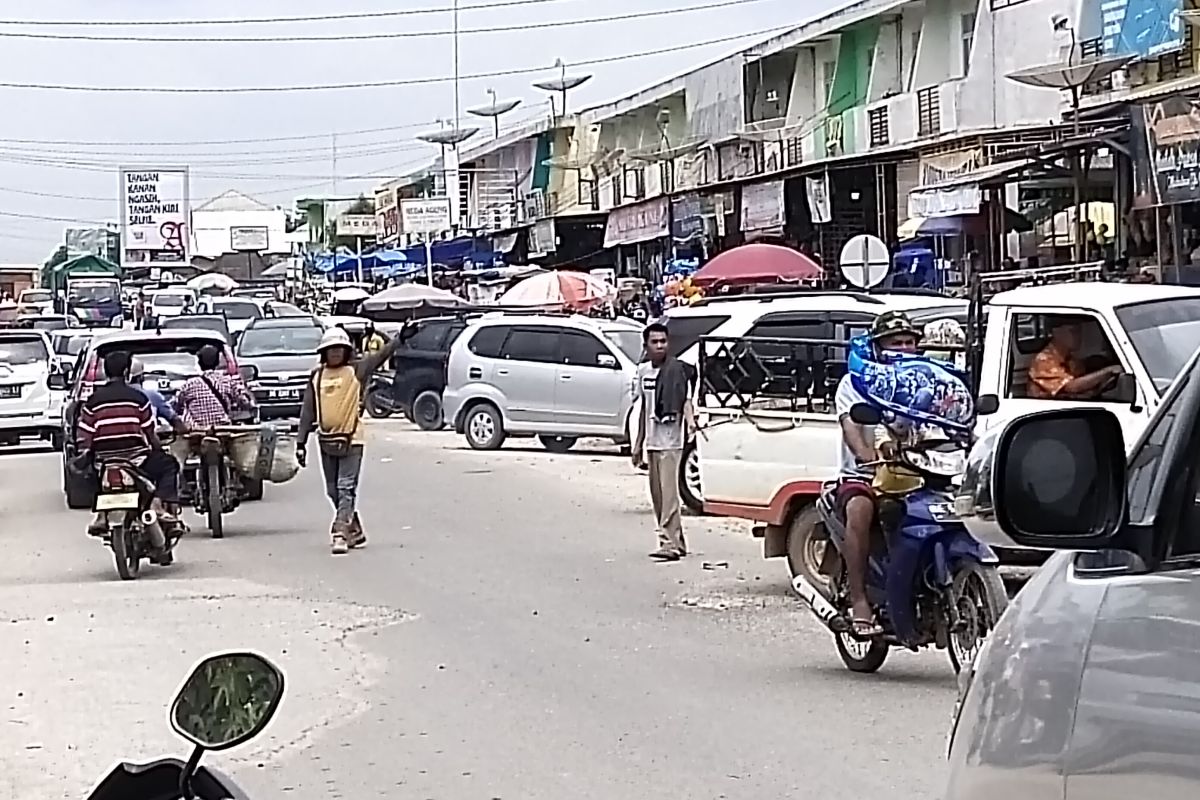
x: 137, y: 379
x: 892, y: 332
x: 210, y: 398
x: 117, y: 424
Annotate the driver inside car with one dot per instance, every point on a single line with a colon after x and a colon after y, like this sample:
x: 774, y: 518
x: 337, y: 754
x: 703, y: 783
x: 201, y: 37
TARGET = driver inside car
x: 1057, y: 372
x: 117, y: 424
x: 892, y: 332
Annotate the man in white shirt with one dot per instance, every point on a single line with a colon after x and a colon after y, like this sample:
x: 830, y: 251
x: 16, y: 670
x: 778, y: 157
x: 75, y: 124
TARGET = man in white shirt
x: 892, y: 331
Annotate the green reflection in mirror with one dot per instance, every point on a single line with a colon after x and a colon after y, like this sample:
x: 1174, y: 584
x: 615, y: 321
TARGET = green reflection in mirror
x: 227, y: 700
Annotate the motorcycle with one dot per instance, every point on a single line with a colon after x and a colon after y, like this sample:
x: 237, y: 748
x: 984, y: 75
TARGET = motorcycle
x: 226, y: 701
x: 132, y: 529
x: 379, y: 400
x: 929, y: 581
x: 208, y: 480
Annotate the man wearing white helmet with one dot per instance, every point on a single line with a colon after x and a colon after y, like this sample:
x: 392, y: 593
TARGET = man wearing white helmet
x: 332, y: 406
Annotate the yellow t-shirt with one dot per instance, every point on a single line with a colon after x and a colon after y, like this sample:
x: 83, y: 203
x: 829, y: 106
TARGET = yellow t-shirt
x: 339, y: 402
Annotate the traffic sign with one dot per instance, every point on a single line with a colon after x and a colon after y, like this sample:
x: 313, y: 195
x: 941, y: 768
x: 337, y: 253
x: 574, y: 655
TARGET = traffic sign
x: 865, y: 261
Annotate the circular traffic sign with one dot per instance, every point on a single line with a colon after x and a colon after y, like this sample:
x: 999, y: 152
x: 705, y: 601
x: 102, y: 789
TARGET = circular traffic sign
x: 865, y: 261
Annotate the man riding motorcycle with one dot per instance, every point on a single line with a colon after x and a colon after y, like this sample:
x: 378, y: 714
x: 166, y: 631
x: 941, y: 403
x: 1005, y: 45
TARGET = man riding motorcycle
x: 210, y: 398
x: 892, y: 332
x: 162, y: 409
x: 117, y: 424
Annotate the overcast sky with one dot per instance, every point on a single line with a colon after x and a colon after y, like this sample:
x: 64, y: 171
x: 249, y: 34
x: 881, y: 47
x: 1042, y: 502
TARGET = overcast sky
x: 84, y: 176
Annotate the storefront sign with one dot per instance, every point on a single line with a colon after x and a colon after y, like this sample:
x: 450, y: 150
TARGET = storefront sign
x: 689, y: 214
x: 387, y: 215
x: 363, y: 225
x: 249, y: 238
x: 1166, y: 149
x: 426, y: 217
x: 154, y: 216
x: 637, y: 223
x: 817, y: 191
x: 762, y: 206
x: 951, y: 201
x: 543, y: 239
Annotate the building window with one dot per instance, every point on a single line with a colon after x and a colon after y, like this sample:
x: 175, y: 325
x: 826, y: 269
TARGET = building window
x: 912, y: 67
x: 827, y: 74
x: 1180, y: 63
x: 877, y: 119
x: 929, y: 112
x: 967, y: 22
x: 1089, y: 50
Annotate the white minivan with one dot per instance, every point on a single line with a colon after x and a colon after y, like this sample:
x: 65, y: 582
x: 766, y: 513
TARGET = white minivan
x: 559, y: 378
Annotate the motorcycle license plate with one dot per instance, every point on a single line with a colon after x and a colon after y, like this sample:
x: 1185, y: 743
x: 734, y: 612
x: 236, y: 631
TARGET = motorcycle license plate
x: 123, y: 501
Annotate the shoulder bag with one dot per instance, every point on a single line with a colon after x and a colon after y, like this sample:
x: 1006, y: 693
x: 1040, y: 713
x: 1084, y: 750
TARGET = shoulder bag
x: 334, y: 445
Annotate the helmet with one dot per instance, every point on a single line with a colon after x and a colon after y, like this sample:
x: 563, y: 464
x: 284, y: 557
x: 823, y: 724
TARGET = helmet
x: 334, y: 337
x: 891, y: 323
x: 137, y: 370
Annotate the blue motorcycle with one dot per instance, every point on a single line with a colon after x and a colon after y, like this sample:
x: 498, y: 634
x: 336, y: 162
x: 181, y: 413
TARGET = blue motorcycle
x: 929, y: 581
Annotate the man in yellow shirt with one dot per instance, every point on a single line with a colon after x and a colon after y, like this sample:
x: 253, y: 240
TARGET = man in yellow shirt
x: 332, y: 407
x: 372, y: 341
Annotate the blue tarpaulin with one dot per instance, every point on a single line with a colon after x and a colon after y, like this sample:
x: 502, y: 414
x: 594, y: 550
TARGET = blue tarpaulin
x: 396, y: 263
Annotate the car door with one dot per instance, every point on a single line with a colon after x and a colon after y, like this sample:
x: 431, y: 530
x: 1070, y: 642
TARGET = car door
x: 590, y: 389
x: 525, y: 375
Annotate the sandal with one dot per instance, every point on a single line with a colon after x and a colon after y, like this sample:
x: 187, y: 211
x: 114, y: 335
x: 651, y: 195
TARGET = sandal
x: 865, y: 628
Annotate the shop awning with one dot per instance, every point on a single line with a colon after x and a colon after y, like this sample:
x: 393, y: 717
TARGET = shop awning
x: 641, y: 222
x: 962, y: 194
x: 975, y: 224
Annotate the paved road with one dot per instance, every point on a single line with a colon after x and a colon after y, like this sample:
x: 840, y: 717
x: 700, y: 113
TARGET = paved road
x: 504, y: 636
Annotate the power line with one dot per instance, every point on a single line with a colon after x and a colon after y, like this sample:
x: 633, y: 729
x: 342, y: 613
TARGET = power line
x: 160, y: 23
x: 381, y: 84
x: 374, y: 36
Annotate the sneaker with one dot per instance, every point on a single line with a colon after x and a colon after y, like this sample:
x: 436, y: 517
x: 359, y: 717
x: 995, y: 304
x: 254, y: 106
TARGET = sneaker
x: 665, y: 554
x: 357, y: 537
x: 337, y: 540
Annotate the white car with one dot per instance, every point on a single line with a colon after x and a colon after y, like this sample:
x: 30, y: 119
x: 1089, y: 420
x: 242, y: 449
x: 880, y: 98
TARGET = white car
x: 171, y: 303
x: 238, y: 312
x: 28, y: 407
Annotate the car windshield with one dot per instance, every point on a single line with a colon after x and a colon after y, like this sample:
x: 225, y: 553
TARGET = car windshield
x: 174, y: 365
x: 70, y: 345
x: 93, y: 294
x: 172, y: 300
x: 627, y: 340
x: 287, y: 310
x: 279, y: 341
x: 245, y: 310
x: 49, y: 324
x: 20, y: 350
x: 1164, y: 334
x: 36, y: 297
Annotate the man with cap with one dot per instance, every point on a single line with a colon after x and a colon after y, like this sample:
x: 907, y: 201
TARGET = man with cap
x: 332, y: 407
x: 891, y: 332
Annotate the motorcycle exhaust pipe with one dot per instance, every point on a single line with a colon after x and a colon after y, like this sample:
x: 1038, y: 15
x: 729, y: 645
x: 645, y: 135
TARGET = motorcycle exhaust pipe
x: 150, y: 524
x: 820, y: 607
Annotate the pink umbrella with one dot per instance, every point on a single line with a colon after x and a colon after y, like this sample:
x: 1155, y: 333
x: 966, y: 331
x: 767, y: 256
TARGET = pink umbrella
x: 577, y: 291
x: 757, y: 263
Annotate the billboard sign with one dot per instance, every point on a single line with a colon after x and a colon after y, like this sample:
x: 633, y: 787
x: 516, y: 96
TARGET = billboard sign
x: 426, y: 217
x: 154, y: 216
x: 1166, y: 152
x: 249, y: 238
x: 387, y: 215
x: 364, y: 225
x: 1142, y: 28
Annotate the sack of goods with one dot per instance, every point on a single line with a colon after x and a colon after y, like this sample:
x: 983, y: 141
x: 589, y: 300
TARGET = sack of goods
x: 266, y: 453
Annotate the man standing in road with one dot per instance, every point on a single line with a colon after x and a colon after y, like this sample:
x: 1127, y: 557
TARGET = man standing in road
x: 663, y: 389
x: 333, y: 402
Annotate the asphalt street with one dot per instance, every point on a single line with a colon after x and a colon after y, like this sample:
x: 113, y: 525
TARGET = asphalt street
x: 503, y: 636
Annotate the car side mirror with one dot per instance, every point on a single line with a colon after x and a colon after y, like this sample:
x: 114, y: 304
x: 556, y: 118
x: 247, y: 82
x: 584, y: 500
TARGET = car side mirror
x: 227, y: 700
x: 1058, y: 480
x: 248, y: 372
x: 606, y: 360
x: 987, y: 404
x: 1124, y: 390
x: 56, y: 381
x: 864, y: 414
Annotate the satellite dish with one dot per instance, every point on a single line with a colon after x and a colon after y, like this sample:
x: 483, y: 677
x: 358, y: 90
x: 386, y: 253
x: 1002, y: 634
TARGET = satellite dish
x: 865, y: 261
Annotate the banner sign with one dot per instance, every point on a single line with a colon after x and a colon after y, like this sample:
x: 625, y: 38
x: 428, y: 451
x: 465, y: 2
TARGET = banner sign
x: 154, y: 216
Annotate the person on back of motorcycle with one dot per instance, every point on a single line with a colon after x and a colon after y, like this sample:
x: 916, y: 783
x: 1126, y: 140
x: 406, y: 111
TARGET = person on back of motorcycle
x: 892, y: 332
x: 117, y: 424
x: 162, y: 409
x: 210, y: 398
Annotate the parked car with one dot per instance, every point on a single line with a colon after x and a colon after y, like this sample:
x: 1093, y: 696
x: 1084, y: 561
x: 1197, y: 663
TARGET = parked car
x: 169, y: 357
x: 169, y: 304
x: 35, y: 301
x: 27, y: 405
x: 1087, y: 687
x: 238, y: 312
x: 47, y: 322
x: 419, y: 370
x: 555, y: 377
x: 283, y: 351
x: 206, y: 322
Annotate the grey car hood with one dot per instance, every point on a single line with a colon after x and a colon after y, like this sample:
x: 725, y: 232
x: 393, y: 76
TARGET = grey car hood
x: 282, y: 366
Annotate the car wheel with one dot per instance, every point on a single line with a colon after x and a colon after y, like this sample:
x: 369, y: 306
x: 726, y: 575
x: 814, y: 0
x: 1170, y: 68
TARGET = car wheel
x: 427, y: 411
x: 689, y: 479
x: 557, y: 444
x: 484, y: 427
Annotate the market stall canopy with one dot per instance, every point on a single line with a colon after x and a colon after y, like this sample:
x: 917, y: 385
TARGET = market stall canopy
x: 212, y: 282
x: 88, y: 263
x: 412, y: 296
x: 577, y: 291
x: 970, y: 224
x: 351, y: 294
x: 757, y: 263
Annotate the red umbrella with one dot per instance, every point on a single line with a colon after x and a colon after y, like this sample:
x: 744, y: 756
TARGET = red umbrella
x: 757, y: 263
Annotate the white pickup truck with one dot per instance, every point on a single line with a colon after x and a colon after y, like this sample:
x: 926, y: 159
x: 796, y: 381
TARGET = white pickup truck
x: 765, y: 463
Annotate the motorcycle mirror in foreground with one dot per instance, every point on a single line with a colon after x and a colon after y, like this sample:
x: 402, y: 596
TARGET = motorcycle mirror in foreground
x: 227, y: 700
x: 864, y: 414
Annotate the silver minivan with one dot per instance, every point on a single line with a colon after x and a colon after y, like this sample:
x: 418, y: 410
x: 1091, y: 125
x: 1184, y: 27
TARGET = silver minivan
x: 555, y: 377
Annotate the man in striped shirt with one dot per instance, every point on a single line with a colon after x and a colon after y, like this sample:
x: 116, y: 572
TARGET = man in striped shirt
x: 117, y: 423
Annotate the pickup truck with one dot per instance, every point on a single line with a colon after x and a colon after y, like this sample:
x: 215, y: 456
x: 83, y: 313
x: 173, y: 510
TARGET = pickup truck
x: 766, y: 453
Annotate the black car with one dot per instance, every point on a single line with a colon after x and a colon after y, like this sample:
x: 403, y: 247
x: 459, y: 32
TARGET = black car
x: 419, y: 367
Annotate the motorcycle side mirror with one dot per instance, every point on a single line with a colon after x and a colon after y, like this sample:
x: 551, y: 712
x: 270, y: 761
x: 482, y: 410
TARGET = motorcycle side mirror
x: 227, y: 700
x: 864, y: 414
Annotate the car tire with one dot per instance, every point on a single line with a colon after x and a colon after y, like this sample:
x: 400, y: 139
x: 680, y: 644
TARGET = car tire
x: 77, y: 492
x: 427, y: 411
x: 689, y: 479
x: 558, y: 444
x: 484, y: 427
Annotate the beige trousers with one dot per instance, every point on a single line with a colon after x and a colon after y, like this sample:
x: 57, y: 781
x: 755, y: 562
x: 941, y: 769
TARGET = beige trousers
x: 664, y: 496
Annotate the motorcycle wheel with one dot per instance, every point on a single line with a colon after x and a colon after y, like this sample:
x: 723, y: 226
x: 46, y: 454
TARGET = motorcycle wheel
x: 214, y: 501
x: 981, y: 598
x: 859, y: 656
x: 375, y: 407
x: 125, y: 553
